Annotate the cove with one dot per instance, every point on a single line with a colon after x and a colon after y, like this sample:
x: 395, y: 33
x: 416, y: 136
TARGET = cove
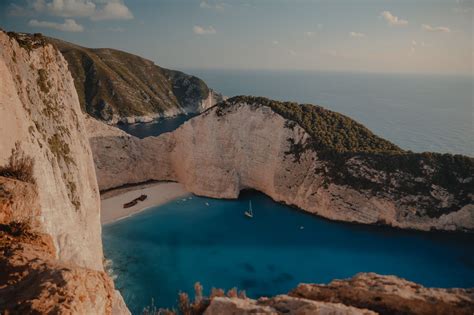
x: 155, y: 128
x: 166, y: 249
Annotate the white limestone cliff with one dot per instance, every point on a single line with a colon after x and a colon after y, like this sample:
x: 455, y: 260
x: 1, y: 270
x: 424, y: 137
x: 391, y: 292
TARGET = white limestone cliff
x: 247, y: 148
x: 40, y: 111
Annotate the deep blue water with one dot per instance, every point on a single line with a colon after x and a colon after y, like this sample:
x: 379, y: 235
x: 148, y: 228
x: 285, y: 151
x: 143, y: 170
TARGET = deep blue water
x: 165, y: 249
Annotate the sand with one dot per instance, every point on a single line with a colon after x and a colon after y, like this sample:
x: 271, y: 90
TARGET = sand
x: 158, y: 193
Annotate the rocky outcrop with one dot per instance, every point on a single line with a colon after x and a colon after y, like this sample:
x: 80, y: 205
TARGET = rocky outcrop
x: 115, y: 86
x: 281, y: 304
x: 41, y: 116
x: 389, y: 295
x: 365, y: 293
x: 314, y: 159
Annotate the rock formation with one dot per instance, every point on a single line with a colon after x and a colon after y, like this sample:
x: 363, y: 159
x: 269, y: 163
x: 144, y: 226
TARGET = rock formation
x: 365, y: 293
x: 116, y: 86
x: 41, y: 117
x: 389, y: 295
x: 281, y: 304
x: 304, y: 156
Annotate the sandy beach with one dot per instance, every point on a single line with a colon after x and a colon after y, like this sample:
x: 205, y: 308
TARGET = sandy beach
x: 157, y: 193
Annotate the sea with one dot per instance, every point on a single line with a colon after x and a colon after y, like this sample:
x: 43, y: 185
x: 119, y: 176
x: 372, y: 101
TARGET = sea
x: 164, y: 250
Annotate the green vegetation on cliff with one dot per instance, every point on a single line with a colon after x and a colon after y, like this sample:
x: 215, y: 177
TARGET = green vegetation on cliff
x: 115, y: 83
x: 358, y: 158
x: 329, y: 130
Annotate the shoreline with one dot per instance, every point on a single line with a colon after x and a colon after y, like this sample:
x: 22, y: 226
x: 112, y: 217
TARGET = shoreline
x: 158, y: 193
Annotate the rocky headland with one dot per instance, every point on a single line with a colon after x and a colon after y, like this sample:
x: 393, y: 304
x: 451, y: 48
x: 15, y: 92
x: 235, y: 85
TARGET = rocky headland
x: 115, y: 86
x: 301, y: 155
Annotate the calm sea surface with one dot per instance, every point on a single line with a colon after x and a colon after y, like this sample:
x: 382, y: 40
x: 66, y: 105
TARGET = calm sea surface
x: 165, y: 249
x: 416, y: 112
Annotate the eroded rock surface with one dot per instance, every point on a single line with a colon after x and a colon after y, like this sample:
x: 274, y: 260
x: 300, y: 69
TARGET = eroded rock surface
x: 51, y: 259
x: 244, y: 144
x: 390, y: 295
x: 281, y: 304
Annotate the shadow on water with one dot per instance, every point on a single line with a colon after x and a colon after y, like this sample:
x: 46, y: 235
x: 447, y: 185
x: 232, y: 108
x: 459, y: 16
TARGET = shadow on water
x: 155, y: 128
x: 166, y: 249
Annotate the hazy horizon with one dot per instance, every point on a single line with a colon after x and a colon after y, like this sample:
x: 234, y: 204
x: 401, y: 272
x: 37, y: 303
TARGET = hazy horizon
x: 370, y: 36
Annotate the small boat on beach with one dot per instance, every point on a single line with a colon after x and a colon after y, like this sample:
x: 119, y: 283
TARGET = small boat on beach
x: 134, y: 201
x: 249, y: 212
x: 130, y: 204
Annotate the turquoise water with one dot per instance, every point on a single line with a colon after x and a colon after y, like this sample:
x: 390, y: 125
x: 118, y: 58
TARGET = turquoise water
x: 166, y: 249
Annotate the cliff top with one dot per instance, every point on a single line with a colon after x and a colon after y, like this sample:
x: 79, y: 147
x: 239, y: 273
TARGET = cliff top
x: 329, y: 130
x: 26, y: 40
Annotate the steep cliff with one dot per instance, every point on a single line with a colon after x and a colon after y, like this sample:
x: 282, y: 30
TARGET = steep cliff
x: 305, y: 156
x: 117, y: 86
x: 41, y: 117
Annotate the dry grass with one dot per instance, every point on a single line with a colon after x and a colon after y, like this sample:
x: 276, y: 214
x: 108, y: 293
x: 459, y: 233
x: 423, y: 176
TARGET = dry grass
x: 20, y: 166
x: 196, y: 307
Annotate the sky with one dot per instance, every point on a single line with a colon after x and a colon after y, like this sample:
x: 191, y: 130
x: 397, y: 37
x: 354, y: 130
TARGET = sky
x: 401, y: 36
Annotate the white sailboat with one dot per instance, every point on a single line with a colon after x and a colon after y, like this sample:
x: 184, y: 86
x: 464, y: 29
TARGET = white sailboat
x: 249, y: 212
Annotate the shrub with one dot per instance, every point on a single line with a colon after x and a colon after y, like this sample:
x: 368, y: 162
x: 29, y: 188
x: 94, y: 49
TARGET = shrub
x: 197, y: 292
x: 183, y: 304
x: 232, y: 293
x: 217, y: 293
x: 19, y: 166
x: 17, y: 229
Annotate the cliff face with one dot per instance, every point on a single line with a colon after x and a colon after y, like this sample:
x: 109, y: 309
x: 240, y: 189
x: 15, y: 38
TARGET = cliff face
x: 117, y: 86
x: 246, y: 143
x: 40, y: 114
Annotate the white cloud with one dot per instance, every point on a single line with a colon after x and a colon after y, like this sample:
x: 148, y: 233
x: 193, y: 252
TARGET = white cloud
x: 208, y: 5
x: 113, y: 10
x: 66, y: 8
x: 94, y: 9
x: 69, y: 25
x: 392, y: 19
x: 275, y: 42
x: 440, y: 29
x: 199, y: 30
x: 357, y: 35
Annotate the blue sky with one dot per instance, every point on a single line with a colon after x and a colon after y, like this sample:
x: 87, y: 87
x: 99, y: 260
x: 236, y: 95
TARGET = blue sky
x: 422, y: 36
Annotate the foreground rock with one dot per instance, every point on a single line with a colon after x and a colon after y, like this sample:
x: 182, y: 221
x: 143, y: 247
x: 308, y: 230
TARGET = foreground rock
x: 365, y: 293
x: 390, y: 295
x: 281, y: 304
x: 55, y: 257
x: 305, y: 156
